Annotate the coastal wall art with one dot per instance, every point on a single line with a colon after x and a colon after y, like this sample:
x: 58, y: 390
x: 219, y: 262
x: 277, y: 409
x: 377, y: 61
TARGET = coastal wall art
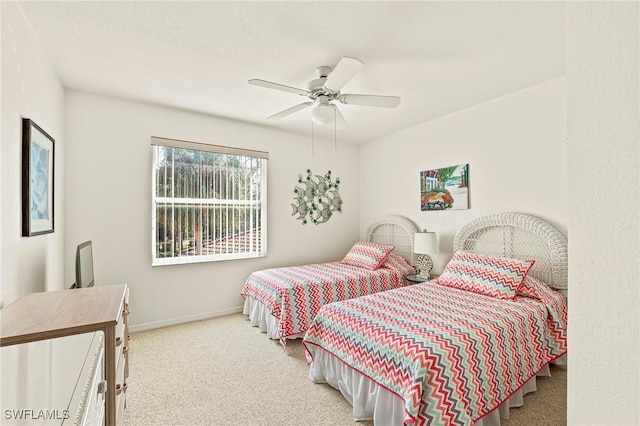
x: 446, y: 188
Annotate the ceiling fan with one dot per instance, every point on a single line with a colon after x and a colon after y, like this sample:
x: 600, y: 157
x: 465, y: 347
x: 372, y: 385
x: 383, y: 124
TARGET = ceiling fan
x: 325, y: 90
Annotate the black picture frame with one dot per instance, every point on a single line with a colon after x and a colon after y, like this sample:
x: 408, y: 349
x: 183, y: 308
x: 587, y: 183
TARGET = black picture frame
x: 38, y: 167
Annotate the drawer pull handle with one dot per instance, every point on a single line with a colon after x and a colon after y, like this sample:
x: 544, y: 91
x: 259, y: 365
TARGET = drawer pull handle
x: 121, y: 388
x: 118, y: 341
x: 102, y: 387
x: 125, y: 350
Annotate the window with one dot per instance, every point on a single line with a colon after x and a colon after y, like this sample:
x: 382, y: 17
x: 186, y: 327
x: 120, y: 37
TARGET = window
x: 208, y: 202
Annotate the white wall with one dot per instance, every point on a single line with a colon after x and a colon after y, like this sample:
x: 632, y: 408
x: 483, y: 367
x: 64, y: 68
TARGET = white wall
x: 604, y: 251
x: 108, y: 201
x: 30, y: 89
x: 517, y: 153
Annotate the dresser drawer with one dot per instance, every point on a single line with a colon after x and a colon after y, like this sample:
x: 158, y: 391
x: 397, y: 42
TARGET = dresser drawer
x: 54, y: 382
x: 121, y: 401
x: 121, y: 338
x: 121, y: 391
x: 91, y: 404
x: 127, y: 338
x: 121, y: 382
x: 125, y: 352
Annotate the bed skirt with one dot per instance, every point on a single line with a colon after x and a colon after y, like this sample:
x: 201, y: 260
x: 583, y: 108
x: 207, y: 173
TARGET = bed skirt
x: 260, y: 316
x: 373, y: 402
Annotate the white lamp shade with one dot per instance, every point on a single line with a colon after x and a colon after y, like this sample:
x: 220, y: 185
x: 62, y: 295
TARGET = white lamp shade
x: 425, y: 243
x: 323, y: 113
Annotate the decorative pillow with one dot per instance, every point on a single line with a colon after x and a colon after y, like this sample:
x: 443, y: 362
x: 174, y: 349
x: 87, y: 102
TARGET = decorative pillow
x: 397, y: 263
x: 497, y: 277
x: 367, y: 255
x: 533, y: 288
x: 555, y: 302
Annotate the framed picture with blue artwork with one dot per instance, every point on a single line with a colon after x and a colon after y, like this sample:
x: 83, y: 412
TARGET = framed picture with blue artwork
x: 37, y: 179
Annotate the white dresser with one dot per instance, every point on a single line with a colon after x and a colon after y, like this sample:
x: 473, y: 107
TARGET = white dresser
x: 49, y: 316
x: 54, y: 382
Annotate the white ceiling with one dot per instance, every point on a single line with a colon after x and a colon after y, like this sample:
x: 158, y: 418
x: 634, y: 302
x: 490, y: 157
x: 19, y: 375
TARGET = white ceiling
x: 439, y: 57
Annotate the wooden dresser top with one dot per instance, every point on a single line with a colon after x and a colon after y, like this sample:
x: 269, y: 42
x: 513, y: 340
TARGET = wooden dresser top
x: 52, y: 314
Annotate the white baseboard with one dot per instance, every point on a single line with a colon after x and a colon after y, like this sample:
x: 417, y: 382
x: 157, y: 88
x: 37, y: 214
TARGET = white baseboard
x: 174, y: 321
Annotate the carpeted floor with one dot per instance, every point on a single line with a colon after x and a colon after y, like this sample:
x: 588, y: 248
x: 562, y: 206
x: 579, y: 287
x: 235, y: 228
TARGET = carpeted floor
x: 222, y: 371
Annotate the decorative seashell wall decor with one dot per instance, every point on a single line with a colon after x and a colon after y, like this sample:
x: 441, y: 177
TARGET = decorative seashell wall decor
x: 317, y: 198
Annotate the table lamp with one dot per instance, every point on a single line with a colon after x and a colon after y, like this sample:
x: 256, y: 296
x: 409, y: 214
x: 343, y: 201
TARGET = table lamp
x: 425, y: 243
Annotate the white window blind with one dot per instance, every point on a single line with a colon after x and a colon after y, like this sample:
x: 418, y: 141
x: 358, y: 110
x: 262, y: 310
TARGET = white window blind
x: 208, y: 202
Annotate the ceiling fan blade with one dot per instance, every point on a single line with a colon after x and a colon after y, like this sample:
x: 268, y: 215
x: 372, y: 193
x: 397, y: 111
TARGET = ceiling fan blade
x: 291, y: 110
x: 342, y: 73
x: 370, y: 100
x: 277, y: 86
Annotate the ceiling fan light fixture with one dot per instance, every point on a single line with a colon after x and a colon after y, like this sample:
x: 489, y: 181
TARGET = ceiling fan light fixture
x: 323, y: 113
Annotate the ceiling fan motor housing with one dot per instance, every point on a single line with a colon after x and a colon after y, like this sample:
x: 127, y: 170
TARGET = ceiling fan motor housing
x: 316, y: 86
x: 323, y: 71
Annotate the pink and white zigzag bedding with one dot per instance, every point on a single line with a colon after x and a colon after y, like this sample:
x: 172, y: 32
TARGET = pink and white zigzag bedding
x: 453, y: 356
x: 295, y: 294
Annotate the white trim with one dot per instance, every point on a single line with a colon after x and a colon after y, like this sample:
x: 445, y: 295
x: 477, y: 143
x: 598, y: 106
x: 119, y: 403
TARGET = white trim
x: 179, y: 260
x: 205, y: 201
x: 190, y: 318
x: 200, y: 146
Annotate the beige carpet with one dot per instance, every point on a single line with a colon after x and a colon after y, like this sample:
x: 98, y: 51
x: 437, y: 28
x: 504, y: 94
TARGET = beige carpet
x: 222, y: 371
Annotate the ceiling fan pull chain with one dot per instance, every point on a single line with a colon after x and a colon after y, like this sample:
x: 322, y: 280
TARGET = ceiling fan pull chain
x: 335, y: 126
x: 312, y: 153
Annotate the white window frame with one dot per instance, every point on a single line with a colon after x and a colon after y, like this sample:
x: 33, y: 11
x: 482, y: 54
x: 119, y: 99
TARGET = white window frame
x: 260, y: 156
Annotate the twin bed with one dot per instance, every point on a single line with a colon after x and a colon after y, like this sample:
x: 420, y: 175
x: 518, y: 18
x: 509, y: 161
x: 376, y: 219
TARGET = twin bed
x: 283, y: 302
x: 444, y: 352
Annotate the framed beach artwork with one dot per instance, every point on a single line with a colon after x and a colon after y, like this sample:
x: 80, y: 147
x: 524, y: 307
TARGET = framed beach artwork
x: 37, y: 179
x: 446, y: 188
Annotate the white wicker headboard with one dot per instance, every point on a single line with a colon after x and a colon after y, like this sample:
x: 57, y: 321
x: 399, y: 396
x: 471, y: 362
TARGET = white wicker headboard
x: 519, y: 236
x: 397, y: 231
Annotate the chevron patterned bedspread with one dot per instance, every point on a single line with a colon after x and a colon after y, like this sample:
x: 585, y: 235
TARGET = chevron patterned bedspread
x: 295, y: 294
x: 452, y: 356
